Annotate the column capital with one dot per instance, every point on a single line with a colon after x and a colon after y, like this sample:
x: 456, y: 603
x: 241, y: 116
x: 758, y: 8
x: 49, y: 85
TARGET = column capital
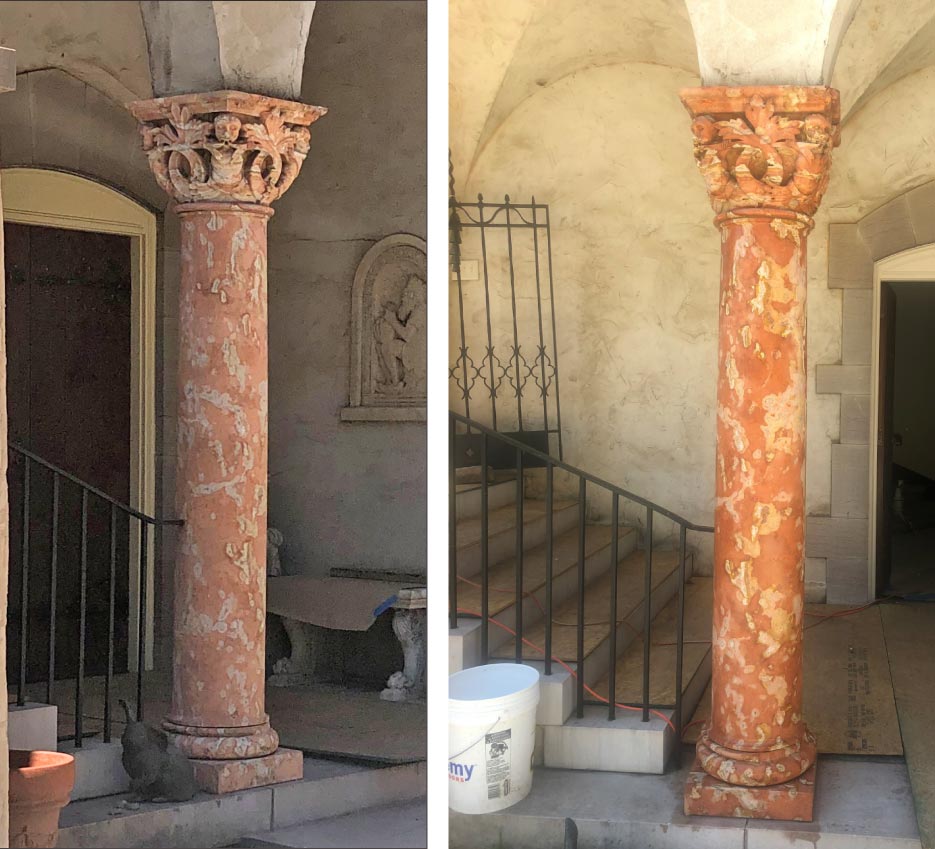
x: 227, y: 146
x: 764, y: 147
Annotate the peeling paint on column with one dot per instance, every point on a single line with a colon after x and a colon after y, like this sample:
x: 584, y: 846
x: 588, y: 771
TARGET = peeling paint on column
x: 222, y: 484
x: 764, y: 153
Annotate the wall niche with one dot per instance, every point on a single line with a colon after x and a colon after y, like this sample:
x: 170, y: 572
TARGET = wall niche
x: 388, y: 333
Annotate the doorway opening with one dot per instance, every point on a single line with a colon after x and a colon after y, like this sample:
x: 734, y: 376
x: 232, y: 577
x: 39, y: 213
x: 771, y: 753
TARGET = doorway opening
x: 906, y: 441
x: 80, y: 325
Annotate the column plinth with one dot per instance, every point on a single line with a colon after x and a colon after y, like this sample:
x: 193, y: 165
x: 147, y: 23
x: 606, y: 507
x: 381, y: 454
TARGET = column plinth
x: 224, y: 157
x: 765, y: 155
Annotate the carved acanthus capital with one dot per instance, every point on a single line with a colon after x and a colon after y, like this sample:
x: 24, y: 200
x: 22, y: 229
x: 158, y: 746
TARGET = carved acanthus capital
x: 765, y: 147
x: 225, y: 145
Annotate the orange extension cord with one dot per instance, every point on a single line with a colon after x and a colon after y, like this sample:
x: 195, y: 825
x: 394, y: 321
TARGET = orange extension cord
x: 821, y: 618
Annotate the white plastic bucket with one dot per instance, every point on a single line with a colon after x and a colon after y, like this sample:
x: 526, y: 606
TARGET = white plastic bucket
x: 491, y: 736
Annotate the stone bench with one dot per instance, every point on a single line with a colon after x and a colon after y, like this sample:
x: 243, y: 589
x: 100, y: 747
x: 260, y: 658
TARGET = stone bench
x: 307, y: 604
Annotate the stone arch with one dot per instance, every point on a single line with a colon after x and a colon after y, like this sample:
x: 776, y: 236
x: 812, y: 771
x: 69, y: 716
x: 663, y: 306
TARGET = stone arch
x: 842, y: 539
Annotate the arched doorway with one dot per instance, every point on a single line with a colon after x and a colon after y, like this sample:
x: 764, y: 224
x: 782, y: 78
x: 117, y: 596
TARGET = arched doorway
x: 81, y: 270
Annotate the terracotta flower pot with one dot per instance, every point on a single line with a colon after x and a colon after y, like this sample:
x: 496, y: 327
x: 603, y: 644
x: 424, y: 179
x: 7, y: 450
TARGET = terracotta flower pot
x: 40, y: 783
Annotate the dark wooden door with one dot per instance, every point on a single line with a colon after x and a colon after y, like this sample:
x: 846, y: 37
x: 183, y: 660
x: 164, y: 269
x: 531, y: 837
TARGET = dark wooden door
x: 885, y: 484
x: 68, y: 343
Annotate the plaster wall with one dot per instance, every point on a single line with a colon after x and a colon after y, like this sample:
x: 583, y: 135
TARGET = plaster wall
x: 349, y: 494
x: 636, y: 267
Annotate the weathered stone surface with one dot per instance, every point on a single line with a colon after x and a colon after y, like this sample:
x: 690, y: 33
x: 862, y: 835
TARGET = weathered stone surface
x: 225, y: 145
x: 850, y: 265
x: 888, y: 230
x: 847, y: 580
x: 834, y: 379
x: 850, y: 480
x: 765, y: 154
x: 231, y: 776
x: 792, y: 800
x: 836, y: 536
x: 921, y: 203
x: 855, y: 419
x: 766, y: 147
x: 196, y: 46
x: 855, y: 328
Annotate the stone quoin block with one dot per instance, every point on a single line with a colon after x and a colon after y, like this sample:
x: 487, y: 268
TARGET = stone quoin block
x: 850, y: 480
x: 835, y: 537
x: 847, y: 580
x: 850, y: 265
x: 888, y: 230
x: 921, y: 203
x: 856, y: 327
x: 837, y: 379
x: 855, y: 419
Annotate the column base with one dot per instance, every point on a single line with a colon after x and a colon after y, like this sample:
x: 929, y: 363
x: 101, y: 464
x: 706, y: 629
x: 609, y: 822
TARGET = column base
x: 230, y: 776
x: 710, y: 797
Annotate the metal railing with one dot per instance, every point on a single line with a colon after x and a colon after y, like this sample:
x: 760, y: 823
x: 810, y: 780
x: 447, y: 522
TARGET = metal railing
x: 88, y: 495
x: 523, y: 455
x: 506, y: 369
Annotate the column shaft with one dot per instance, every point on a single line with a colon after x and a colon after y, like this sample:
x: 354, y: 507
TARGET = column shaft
x: 756, y: 735
x: 220, y: 577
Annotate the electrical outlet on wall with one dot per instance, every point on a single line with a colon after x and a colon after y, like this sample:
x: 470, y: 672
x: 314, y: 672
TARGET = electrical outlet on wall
x: 468, y: 270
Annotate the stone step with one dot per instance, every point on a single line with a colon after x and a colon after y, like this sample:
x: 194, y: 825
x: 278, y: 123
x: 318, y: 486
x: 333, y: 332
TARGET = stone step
x: 328, y: 789
x: 557, y: 691
x: 501, y: 530
x: 863, y: 803
x: 627, y: 744
x: 502, y: 578
x: 597, y: 628
x: 468, y: 498
x: 466, y: 651
x: 396, y: 826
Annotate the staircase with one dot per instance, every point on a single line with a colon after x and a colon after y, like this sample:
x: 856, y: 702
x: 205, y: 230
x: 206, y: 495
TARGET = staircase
x: 575, y: 732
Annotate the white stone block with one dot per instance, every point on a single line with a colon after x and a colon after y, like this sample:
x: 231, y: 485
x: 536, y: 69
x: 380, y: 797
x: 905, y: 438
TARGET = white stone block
x: 98, y: 770
x: 33, y: 727
x: 464, y: 645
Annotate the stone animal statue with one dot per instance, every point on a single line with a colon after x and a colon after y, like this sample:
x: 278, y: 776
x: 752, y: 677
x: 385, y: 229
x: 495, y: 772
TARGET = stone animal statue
x: 158, y: 771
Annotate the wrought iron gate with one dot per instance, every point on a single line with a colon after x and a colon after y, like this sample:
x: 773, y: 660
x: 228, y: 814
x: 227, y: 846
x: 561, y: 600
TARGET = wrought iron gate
x: 504, y: 371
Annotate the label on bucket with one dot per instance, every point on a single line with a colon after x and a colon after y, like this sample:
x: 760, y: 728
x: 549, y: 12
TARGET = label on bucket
x: 498, y: 764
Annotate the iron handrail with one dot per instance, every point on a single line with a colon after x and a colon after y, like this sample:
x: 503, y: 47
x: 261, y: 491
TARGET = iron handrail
x: 560, y: 464
x: 645, y: 705
x: 116, y: 506
x: 93, y: 490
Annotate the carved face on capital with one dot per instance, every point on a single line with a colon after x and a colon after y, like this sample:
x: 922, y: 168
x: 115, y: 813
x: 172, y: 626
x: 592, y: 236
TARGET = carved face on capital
x: 227, y: 127
x: 816, y: 129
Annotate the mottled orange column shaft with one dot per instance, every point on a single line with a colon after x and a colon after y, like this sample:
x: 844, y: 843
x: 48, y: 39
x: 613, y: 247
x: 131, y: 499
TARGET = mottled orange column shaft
x: 765, y: 155
x: 224, y: 157
x: 220, y: 576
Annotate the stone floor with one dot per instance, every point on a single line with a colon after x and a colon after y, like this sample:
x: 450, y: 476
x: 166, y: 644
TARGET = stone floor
x: 388, y: 827
x: 861, y: 803
x: 321, y: 719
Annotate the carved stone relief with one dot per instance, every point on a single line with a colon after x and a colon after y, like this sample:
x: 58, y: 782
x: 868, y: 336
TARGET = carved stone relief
x: 388, y: 333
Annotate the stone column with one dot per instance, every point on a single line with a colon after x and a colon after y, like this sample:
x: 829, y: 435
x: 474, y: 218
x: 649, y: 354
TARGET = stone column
x: 224, y: 157
x: 765, y: 154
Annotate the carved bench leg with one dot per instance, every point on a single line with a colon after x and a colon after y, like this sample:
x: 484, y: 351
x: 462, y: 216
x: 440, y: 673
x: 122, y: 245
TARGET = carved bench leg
x: 298, y: 669
x: 409, y: 627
